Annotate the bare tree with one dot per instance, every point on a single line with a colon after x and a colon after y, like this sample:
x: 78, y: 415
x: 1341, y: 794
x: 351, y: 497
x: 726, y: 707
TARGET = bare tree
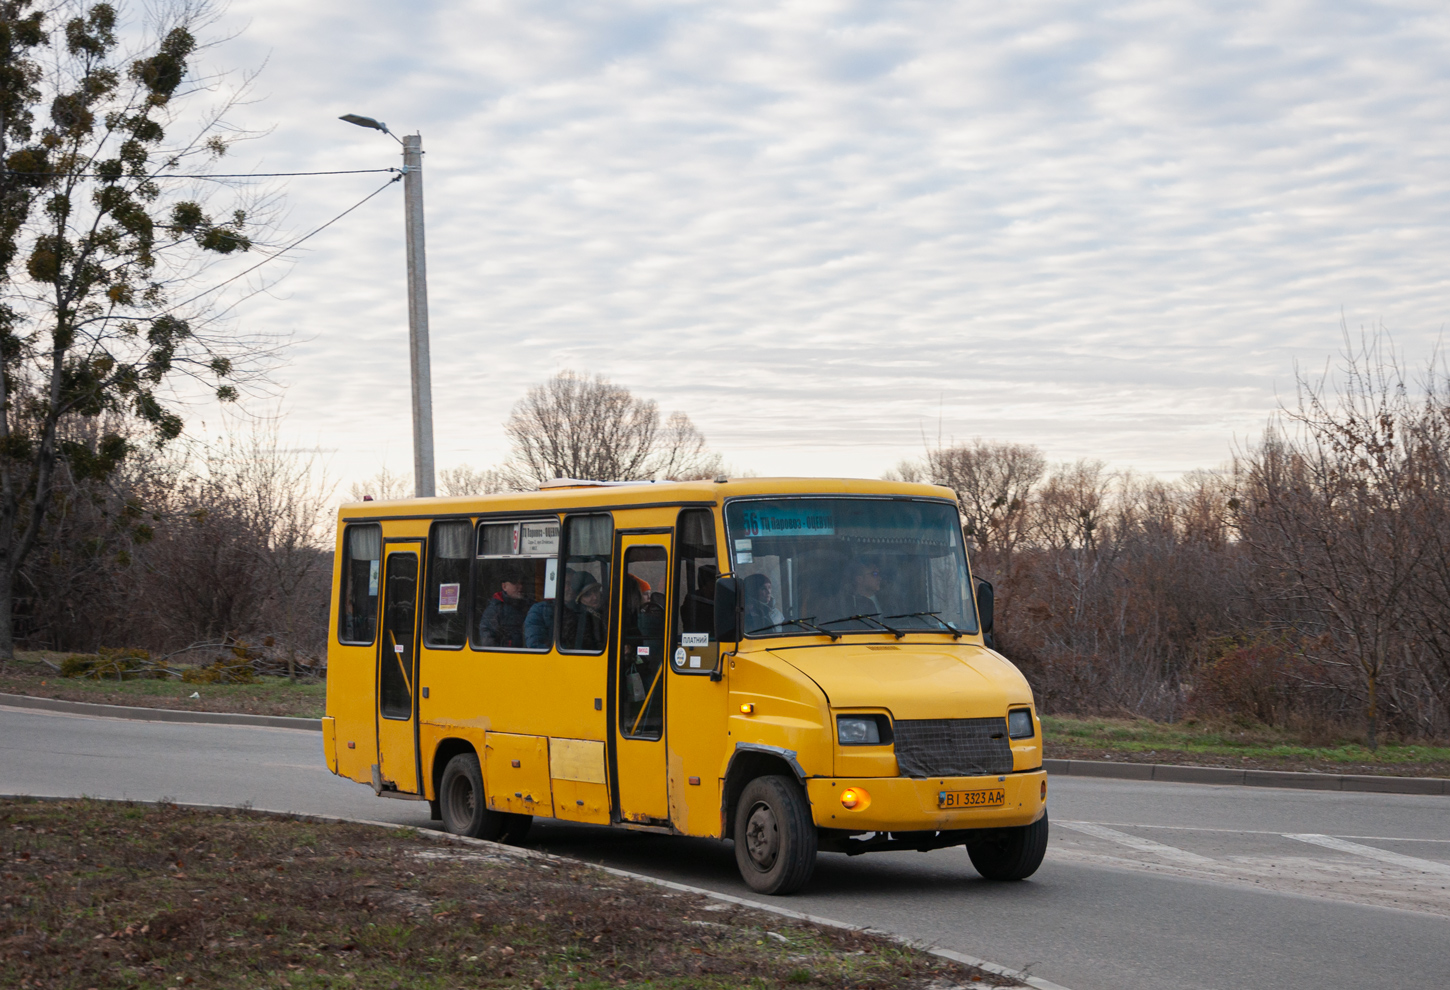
x: 386, y: 484
x: 1329, y: 503
x: 574, y: 426
x: 465, y: 480
x: 284, y: 498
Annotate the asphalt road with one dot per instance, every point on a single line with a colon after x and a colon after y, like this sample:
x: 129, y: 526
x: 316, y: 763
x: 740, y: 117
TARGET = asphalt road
x: 1148, y: 886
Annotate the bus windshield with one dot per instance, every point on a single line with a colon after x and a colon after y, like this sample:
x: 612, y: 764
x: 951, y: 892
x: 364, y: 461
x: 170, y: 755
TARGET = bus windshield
x: 809, y: 566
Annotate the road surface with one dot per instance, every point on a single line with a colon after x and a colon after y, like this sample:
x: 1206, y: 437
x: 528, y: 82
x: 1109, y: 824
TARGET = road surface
x: 1147, y: 885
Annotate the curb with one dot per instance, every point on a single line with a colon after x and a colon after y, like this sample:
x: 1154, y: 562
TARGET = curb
x: 518, y: 852
x: 139, y: 713
x: 1370, y: 783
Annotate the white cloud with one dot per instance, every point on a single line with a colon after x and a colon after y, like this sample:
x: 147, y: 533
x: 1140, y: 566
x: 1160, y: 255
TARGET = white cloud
x: 826, y: 228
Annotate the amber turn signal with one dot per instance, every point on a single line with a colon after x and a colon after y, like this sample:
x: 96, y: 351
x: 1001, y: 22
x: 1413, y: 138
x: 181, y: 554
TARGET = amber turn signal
x: 747, y: 709
x: 855, y: 799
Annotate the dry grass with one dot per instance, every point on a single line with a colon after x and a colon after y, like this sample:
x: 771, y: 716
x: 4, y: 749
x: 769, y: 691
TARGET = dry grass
x: 130, y: 896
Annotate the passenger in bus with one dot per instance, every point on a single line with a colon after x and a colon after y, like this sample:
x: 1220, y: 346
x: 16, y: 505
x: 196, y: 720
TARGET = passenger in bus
x: 539, y: 625
x: 582, y: 625
x: 760, y: 609
x: 502, y: 622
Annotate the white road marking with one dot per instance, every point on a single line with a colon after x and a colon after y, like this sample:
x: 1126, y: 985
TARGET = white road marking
x: 1246, y: 831
x: 1142, y: 845
x: 1370, y: 852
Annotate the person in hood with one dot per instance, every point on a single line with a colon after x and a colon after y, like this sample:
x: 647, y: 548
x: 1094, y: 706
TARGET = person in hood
x: 502, y: 622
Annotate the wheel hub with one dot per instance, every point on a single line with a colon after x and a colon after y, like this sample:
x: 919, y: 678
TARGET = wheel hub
x: 762, y: 836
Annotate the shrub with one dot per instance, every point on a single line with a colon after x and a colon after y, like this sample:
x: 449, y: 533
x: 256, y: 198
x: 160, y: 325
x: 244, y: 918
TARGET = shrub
x: 126, y: 664
x: 1258, y: 678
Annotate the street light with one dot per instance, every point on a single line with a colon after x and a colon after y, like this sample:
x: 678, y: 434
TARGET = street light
x: 417, y: 302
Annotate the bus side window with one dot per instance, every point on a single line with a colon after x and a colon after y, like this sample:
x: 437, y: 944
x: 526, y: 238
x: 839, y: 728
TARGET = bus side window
x: 697, y: 571
x: 513, y: 588
x: 584, y: 600
x: 445, y: 603
x: 362, y: 551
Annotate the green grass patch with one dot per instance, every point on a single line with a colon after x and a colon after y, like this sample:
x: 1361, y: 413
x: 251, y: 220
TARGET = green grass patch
x: 28, y: 675
x: 1226, y: 743
x: 95, y: 896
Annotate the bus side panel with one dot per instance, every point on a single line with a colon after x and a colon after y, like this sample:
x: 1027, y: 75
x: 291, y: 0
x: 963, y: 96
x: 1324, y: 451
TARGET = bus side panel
x: 350, y: 692
x: 698, y: 750
x: 471, y: 692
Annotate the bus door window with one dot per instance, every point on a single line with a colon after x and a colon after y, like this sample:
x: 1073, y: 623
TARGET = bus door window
x: 362, y: 549
x: 584, y: 611
x: 395, y: 695
x: 445, y: 605
x: 642, y: 620
x: 696, y: 572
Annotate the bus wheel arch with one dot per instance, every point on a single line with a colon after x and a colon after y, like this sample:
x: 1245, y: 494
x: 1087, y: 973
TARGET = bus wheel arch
x: 745, y: 766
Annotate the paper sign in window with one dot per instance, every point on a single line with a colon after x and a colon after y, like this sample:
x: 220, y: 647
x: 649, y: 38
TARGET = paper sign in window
x: 539, y: 539
x: 448, y: 597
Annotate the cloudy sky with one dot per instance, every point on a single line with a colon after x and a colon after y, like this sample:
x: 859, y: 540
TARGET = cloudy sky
x: 829, y: 230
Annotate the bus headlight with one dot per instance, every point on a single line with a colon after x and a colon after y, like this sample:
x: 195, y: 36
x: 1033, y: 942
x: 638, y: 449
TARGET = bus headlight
x: 858, y: 731
x: 1019, y: 723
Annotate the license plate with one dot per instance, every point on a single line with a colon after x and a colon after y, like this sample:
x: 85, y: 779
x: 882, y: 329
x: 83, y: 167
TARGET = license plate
x: 993, y: 797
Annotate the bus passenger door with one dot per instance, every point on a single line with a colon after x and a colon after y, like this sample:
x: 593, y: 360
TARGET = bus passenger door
x: 639, y: 681
x: 398, y: 668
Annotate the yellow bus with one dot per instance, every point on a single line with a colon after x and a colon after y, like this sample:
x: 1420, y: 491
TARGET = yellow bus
x: 793, y: 664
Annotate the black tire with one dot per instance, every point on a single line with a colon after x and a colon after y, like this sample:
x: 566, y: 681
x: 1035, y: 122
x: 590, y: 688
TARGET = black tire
x: 1010, y: 853
x: 462, y: 802
x: 775, y: 839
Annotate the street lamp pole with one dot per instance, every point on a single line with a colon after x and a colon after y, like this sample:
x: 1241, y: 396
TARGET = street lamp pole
x: 418, y: 316
x: 418, y: 362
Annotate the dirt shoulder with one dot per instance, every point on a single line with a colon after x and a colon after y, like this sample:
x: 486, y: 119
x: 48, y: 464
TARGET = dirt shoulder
x: 110, y: 895
x: 1210, y: 744
x: 29, y: 675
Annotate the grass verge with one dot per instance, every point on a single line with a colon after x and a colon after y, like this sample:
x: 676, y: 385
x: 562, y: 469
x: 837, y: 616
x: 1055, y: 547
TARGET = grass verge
x: 110, y: 895
x: 26, y: 674
x: 1199, y: 742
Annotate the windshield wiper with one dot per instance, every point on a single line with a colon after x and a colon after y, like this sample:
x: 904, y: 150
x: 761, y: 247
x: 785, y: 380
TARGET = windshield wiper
x: 956, y: 633
x: 803, y: 623
x: 868, y: 617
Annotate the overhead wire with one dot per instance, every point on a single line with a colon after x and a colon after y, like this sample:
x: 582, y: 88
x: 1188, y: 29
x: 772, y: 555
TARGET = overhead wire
x: 312, y: 233
x: 205, y: 175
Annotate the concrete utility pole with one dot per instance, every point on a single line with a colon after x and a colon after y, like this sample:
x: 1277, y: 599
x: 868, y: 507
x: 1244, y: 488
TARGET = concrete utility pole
x: 418, y: 316
x: 418, y: 364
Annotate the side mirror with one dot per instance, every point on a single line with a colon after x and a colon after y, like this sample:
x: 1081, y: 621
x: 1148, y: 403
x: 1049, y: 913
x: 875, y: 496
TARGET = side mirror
x: 727, y: 610
x: 985, y: 602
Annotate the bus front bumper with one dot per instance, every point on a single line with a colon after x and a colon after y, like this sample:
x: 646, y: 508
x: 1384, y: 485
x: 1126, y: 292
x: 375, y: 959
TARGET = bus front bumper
x: 903, y: 804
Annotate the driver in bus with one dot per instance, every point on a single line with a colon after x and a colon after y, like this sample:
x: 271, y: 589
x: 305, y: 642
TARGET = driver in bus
x: 865, y: 585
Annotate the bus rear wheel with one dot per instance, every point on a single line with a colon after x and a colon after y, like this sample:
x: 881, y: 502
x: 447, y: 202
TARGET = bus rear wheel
x: 1010, y: 853
x: 775, y: 839
x: 465, y: 809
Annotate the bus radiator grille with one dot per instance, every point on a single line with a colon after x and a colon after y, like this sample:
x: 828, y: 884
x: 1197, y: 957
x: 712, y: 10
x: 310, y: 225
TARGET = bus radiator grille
x: 952, y: 747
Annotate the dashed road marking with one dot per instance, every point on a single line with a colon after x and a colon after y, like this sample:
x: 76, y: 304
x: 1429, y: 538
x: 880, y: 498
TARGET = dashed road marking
x: 1181, y: 856
x: 1370, y: 852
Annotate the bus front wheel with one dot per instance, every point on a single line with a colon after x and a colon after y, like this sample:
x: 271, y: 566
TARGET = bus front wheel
x: 775, y: 839
x: 1010, y: 853
x: 465, y: 809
